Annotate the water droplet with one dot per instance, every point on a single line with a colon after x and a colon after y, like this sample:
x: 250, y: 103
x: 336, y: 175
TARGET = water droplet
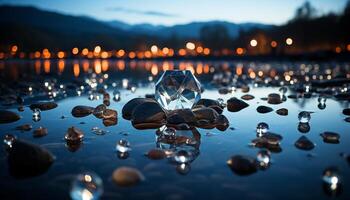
x: 169, y: 131
x: 322, y: 99
x: 283, y: 90
x: 304, y: 117
x: 221, y: 102
x: 8, y: 140
x: 261, y: 129
x: 331, y: 180
x: 183, y: 168
x: 36, y: 114
x: 98, y: 131
x: 116, y: 95
x: 183, y: 156
x: 133, y: 89
x: 123, y: 146
x: 87, y: 186
x: 263, y: 159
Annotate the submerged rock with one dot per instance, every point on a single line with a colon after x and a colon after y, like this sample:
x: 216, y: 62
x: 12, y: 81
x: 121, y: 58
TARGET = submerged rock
x: 132, y: 104
x: 235, y: 105
x: 109, y: 114
x: 243, y: 165
x: 282, y: 111
x: 156, y: 154
x: 40, y: 132
x: 222, y: 123
x: 74, y: 135
x: 24, y: 127
x: 264, y: 109
x: 8, y: 116
x: 43, y: 105
x: 247, y: 97
x: 26, y: 159
x: 304, y: 127
x: 127, y: 176
x: 181, y: 116
x: 304, y: 143
x: 347, y: 119
x: 148, y: 113
x: 330, y: 137
x: 346, y: 111
x: 110, y: 121
x: 82, y: 111
x: 99, y: 110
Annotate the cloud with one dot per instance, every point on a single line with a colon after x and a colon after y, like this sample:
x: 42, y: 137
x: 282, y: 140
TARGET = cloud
x: 140, y: 12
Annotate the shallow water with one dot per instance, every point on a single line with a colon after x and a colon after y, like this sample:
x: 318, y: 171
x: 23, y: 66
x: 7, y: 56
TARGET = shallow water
x: 293, y: 173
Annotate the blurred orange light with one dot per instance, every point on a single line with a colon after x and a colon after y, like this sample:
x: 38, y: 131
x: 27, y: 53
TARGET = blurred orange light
x: 253, y: 43
x: 154, y: 70
x: 120, y: 53
x: 148, y: 54
x: 97, y: 49
x: 165, y: 50
x: 289, y: 41
x: 132, y: 55
x: 105, y: 65
x: 273, y: 44
x: 14, y: 48
x: 104, y: 54
x: 206, y: 51
x: 47, y: 65
x: 199, y: 49
x: 75, y: 51
x: 239, y: 51
x: 37, y: 54
x: 97, y: 66
x: 171, y: 52
x: 154, y: 49
x: 2, y: 55
x: 190, y: 45
x: 76, y: 69
x: 252, y: 75
x: 182, y: 52
x: 85, y: 51
x: 60, y: 54
x: 337, y: 49
x: 348, y: 47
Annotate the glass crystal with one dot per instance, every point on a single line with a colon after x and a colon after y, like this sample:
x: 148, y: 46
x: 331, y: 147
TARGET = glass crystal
x: 123, y: 146
x: 177, y: 89
x: 304, y: 117
x: 261, y: 129
x: 87, y: 186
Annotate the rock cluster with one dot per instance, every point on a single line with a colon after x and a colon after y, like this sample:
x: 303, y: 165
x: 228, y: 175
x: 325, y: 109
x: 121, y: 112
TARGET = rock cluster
x: 108, y: 116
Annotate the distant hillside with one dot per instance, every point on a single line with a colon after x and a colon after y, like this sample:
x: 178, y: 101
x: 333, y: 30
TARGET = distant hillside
x: 191, y: 30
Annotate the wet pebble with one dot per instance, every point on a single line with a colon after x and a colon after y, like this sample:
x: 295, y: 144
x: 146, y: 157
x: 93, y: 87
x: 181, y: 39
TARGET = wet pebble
x: 40, y: 132
x: 82, y: 111
x: 156, y: 154
x: 304, y: 127
x: 304, y: 143
x: 274, y: 98
x: 207, y: 103
x: 8, y: 116
x: 242, y: 165
x: 245, y: 89
x: 330, y: 137
x: 43, y: 105
x: 346, y: 111
x: 235, y: 105
x: 347, y: 119
x: 109, y: 114
x: 148, y: 113
x: 24, y: 127
x: 264, y: 109
x: 182, y: 116
x: 282, y: 111
x: 98, y: 111
x: 205, y: 113
x: 127, y: 176
x: 222, y: 123
x: 247, y: 97
x: 74, y: 135
x: 132, y: 104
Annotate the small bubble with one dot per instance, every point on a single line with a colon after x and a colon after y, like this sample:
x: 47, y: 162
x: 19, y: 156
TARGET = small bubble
x: 87, y: 186
x: 123, y: 146
x: 304, y: 117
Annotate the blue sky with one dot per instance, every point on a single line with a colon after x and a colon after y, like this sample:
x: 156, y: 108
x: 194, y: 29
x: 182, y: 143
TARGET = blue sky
x: 182, y: 11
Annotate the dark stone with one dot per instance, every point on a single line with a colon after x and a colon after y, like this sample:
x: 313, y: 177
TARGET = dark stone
x: 205, y: 113
x: 207, y: 103
x: 110, y: 121
x: 330, y: 137
x: 304, y: 127
x: 40, y: 132
x: 98, y: 111
x: 235, y: 105
x: 264, y: 109
x: 148, y: 112
x: 43, y: 105
x: 74, y: 135
x: 27, y: 160
x: 222, y: 123
x: 247, y: 97
x: 245, y: 88
x: 224, y: 90
x: 347, y: 119
x: 181, y: 116
x: 24, y: 127
x: 156, y: 154
x: 274, y: 98
x: 82, y: 111
x: 132, y: 104
x: 346, y: 111
x: 127, y: 176
x: 109, y: 114
x: 8, y: 116
x: 304, y: 143
x: 282, y: 111
x: 242, y: 165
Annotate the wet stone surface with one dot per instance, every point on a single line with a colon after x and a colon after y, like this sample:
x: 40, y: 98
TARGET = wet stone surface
x: 103, y: 135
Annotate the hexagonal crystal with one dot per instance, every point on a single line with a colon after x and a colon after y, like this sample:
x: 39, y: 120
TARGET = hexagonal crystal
x: 177, y: 89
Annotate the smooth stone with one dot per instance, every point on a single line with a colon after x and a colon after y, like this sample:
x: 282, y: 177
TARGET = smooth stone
x: 224, y: 90
x: 269, y: 139
x: 127, y: 176
x: 98, y: 111
x: 330, y: 137
x: 152, y: 96
x: 132, y: 104
x: 82, y: 111
x: 109, y: 113
x: 110, y: 122
x: 181, y: 116
x: 304, y: 127
x: 292, y: 96
x: 181, y: 126
x: 27, y: 160
x: 242, y: 165
x: 207, y: 103
x: 218, y: 109
x: 245, y: 89
x: 205, y: 124
x: 205, y: 113
x: 347, y: 119
x: 43, y: 105
x: 222, y: 123
x: 235, y: 105
x: 264, y: 109
x: 148, y: 112
x: 24, y: 127
x: 74, y: 135
x: 282, y: 111
x: 156, y: 154
x: 8, y: 116
x: 304, y: 143
x: 247, y: 97
x: 40, y: 132
x: 346, y: 111
x: 152, y: 125
x: 274, y: 98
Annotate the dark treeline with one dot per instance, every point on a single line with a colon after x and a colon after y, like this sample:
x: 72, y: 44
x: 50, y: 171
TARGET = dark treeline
x: 32, y: 29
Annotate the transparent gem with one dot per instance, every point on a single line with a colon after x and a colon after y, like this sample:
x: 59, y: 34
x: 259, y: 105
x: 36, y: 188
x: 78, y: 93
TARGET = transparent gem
x: 304, y: 117
x: 261, y: 129
x: 183, y: 156
x: 123, y: 146
x: 177, y: 89
x: 87, y: 186
x: 8, y: 140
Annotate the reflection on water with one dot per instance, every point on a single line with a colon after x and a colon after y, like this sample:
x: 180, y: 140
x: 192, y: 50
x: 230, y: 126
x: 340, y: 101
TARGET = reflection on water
x: 195, y: 160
